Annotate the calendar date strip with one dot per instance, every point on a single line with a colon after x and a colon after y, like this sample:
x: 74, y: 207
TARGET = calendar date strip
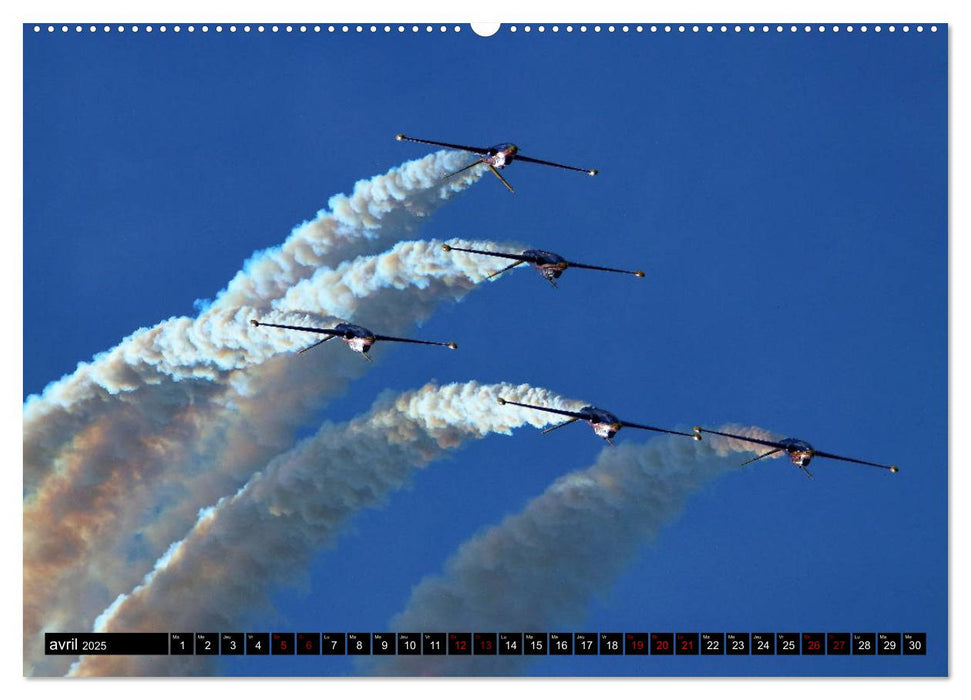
x: 488, y: 643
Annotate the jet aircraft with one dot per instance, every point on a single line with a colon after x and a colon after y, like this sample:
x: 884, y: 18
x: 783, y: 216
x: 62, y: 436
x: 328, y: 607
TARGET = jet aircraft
x: 548, y: 264
x: 494, y: 157
x: 604, y: 423
x: 358, y: 338
x: 800, y: 452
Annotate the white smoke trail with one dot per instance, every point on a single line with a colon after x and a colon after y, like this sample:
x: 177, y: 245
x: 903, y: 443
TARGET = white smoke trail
x: 539, y: 568
x: 385, y: 209
x: 299, y: 503
x: 133, y: 481
x: 220, y: 340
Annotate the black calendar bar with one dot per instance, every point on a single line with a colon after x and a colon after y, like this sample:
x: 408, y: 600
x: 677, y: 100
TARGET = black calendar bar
x: 885, y: 644
x: 120, y: 643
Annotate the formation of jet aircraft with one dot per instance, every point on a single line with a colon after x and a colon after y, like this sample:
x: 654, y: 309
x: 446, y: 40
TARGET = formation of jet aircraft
x: 551, y: 266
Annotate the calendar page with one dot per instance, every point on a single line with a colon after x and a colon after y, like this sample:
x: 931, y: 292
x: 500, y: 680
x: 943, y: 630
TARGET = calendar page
x: 544, y: 349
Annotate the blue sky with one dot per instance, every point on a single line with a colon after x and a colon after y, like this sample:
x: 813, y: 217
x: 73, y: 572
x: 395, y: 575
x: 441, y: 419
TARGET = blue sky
x: 785, y: 194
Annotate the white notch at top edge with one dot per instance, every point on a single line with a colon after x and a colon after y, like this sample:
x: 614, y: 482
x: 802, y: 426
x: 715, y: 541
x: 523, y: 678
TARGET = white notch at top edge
x: 485, y: 28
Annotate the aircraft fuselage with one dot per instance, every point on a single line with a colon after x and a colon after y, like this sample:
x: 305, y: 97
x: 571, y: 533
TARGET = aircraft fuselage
x: 799, y: 451
x: 358, y: 338
x: 604, y: 423
x: 550, y: 265
x: 502, y: 155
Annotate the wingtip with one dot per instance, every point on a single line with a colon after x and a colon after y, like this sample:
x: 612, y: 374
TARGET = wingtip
x: 502, y: 401
x: 638, y: 273
x: 446, y: 247
x: 453, y: 346
x: 591, y: 173
x: 399, y: 137
x: 893, y: 469
x: 253, y: 322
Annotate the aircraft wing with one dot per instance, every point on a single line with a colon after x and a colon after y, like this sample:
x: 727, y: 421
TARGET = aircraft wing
x: 767, y: 443
x: 453, y: 346
x: 583, y: 266
x: 558, y: 411
x: 471, y: 149
x: 527, y: 159
x: 329, y: 331
x: 657, y: 430
x: 891, y: 467
x: 510, y: 256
